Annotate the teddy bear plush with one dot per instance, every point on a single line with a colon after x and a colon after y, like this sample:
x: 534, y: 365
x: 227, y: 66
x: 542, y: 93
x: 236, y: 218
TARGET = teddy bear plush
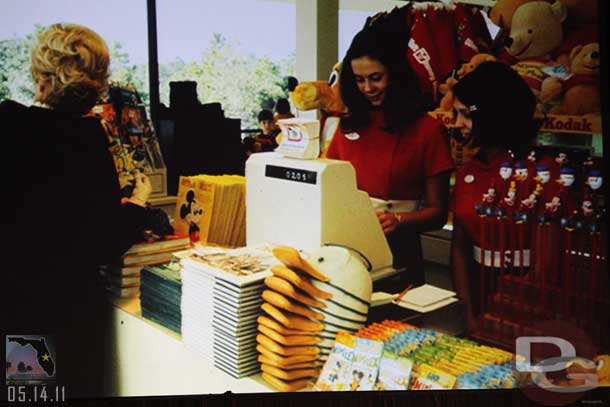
x: 580, y: 26
x: 579, y: 93
x: 579, y: 11
x: 446, y: 102
x: 536, y: 30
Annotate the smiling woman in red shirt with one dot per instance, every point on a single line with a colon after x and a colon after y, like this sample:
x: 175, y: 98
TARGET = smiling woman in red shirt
x: 400, y: 154
x: 494, y: 110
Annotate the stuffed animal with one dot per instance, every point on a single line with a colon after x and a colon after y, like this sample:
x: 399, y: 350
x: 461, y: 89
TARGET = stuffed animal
x: 535, y: 32
x: 325, y: 96
x: 446, y: 103
x: 603, y: 369
x: 580, y: 26
x: 580, y: 92
x: 579, y: 11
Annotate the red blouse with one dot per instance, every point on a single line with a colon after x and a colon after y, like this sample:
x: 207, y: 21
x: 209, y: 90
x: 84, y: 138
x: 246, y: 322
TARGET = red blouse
x: 394, y: 165
x: 473, y: 179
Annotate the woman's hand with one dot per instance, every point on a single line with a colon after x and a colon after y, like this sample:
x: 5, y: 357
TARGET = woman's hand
x: 389, y: 221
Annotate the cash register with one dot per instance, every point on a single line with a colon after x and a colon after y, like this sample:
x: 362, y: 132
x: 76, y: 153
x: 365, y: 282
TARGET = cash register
x: 308, y: 203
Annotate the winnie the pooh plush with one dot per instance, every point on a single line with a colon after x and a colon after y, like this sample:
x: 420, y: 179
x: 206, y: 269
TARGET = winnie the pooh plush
x: 580, y: 26
x: 536, y: 30
x: 579, y: 12
x: 580, y: 92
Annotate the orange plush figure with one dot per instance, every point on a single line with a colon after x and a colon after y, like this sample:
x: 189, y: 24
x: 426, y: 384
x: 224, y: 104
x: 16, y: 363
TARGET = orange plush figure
x: 603, y: 369
x: 325, y: 96
x: 446, y: 103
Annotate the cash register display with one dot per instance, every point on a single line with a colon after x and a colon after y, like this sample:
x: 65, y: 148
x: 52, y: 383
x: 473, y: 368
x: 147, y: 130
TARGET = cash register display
x: 291, y: 174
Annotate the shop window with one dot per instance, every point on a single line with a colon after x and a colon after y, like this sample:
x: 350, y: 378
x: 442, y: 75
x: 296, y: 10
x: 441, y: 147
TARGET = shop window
x: 238, y: 52
x: 121, y: 23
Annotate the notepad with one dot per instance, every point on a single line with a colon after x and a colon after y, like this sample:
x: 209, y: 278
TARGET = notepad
x: 426, y: 295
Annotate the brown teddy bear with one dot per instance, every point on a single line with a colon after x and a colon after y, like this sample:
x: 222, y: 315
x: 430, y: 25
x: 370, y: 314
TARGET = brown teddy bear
x: 446, y: 102
x: 579, y: 11
x: 580, y: 26
x: 536, y: 30
x: 580, y: 92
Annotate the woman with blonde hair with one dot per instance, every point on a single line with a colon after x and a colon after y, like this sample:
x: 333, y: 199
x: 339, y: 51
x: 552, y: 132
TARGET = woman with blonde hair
x: 62, y: 210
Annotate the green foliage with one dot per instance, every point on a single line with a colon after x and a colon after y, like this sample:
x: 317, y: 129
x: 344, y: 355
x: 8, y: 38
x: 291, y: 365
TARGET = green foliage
x: 15, y: 79
x: 243, y: 84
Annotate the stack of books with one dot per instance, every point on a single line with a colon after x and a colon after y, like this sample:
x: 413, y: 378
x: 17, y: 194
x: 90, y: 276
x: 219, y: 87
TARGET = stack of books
x: 123, y: 277
x: 161, y: 293
x: 213, y: 206
x: 221, y: 298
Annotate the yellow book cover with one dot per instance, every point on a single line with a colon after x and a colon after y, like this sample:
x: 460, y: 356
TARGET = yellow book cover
x: 211, y: 237
x: 205, y: 193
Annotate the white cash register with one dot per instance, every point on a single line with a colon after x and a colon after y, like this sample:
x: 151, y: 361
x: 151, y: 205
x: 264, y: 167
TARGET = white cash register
x: 308, y: 203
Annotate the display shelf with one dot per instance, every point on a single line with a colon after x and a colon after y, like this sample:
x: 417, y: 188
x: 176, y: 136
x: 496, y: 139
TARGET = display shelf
x: 150, y: 360
x: 585, y: 125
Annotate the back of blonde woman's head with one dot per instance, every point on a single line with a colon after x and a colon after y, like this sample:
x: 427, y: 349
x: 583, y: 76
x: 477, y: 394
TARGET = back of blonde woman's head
x: 71, y: 61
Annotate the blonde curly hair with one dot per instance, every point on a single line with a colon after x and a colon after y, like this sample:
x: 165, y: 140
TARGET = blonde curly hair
x: 71, y: 61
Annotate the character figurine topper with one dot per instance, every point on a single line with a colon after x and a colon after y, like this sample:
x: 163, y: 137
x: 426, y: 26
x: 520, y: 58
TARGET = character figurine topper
x: 561, y: 158
x: 489, y: 197
x: 567, y: 197
x: 191, y: 212
x: 506, y: 170
x: 592, y: 205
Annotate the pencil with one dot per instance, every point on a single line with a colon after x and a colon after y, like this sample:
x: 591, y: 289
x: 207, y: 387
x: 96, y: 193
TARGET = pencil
x: 403, y: 293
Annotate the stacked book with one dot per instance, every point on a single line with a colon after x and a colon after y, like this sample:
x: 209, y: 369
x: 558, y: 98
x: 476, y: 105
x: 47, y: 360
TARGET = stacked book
x: 160, y: 294
x: 212, y: 209
x: 221, y: 298
x: 123, y: 277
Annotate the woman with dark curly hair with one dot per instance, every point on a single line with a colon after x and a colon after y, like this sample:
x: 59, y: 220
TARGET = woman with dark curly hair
x: 494, y: 110
x: 64, y: 216
x: 400, y: 154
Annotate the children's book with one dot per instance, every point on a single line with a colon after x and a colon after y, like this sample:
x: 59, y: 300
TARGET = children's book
x: 365, y: 365
x: 336, y: 370
x: 394, y: 372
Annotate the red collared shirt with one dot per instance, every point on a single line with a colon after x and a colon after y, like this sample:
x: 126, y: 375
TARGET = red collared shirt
x: 473, y: 179
x: 394, y: 165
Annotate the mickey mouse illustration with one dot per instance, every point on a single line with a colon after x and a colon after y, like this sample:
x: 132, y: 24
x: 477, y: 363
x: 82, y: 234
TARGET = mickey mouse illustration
x: 191, y: 213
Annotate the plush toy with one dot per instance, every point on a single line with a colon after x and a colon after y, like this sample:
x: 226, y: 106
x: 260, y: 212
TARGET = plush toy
x: 580, y: 92
x: 535, y: 32
x: 603, y: 369
x: 446, y: 103
x: 580, y: 26
x: 579, y: 11
x: 325, y: 96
